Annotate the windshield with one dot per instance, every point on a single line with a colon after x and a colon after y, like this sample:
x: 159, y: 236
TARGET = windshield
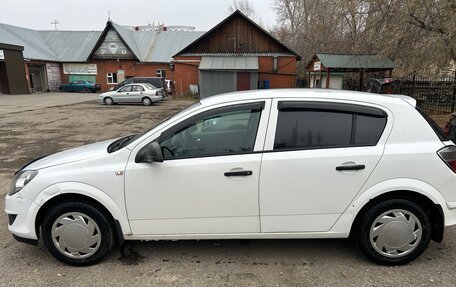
x: 122, y: 142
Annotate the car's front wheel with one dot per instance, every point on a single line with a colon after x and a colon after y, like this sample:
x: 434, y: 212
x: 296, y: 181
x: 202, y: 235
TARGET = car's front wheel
x: 77, y: 233
x: 394, y: 232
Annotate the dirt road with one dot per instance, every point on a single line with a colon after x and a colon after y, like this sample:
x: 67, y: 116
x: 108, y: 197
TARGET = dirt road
x: 44, y: 128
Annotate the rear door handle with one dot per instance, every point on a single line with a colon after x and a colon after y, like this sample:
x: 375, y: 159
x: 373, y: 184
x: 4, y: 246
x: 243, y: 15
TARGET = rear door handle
x: 239, y: 173
x: 350, y: 167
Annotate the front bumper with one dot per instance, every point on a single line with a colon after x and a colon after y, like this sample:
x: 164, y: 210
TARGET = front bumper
x: 24, y: 210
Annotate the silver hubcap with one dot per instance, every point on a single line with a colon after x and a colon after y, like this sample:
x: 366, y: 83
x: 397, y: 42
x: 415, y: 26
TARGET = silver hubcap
x: 395, y: 233
x: 76, y: 235
x: 108, y: 101
x: 146, y: 102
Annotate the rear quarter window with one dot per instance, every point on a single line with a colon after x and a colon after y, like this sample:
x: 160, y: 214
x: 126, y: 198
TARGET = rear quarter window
x: 437, y: 129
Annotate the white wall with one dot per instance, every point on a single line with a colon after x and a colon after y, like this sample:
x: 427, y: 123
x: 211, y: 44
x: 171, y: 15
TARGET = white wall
x: 335, y: 81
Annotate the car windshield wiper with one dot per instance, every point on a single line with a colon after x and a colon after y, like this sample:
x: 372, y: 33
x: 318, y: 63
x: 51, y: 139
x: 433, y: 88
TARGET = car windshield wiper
x: 120, y: 143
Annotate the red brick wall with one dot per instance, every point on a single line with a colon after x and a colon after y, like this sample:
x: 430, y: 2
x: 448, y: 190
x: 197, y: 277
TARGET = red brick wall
x: 186, y: 72
x: 132, y: 68
x: 285, y: 77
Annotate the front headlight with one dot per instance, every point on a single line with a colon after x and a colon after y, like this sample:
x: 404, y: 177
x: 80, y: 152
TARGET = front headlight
x: 22, y: 179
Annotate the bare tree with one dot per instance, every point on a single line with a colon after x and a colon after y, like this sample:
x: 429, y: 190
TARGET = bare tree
x: 420, y: 35
x: 244, y: 6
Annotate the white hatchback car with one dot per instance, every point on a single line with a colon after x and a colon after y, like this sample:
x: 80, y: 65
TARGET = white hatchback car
x: 257, y: 164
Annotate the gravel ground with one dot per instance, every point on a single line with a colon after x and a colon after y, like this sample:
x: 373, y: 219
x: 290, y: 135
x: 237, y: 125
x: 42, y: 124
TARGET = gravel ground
x: 43, y: 129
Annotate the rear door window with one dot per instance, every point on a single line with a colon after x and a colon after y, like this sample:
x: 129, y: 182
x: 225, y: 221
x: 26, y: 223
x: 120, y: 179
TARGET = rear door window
x: 327, y: 125
x: 137, y: 88
x: 368, y: 129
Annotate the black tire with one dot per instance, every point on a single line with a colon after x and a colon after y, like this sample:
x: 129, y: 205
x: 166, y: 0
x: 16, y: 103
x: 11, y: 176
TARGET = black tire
x: 108, y: 101
x: 370, y: 248
x: 147, y: 102
x: 101, y: 220
x: 86, y: 90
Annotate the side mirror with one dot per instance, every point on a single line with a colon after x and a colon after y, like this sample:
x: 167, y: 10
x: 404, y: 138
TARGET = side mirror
x: 150, y: 153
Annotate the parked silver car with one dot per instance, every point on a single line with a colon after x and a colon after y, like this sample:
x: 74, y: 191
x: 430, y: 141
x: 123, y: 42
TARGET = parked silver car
x: 133, y: 93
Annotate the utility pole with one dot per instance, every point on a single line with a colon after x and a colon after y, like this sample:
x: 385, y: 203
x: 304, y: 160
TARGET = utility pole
x: 55, y: 22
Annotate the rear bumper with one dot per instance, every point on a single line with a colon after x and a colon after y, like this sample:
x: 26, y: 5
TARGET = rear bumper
x: 156, y: 98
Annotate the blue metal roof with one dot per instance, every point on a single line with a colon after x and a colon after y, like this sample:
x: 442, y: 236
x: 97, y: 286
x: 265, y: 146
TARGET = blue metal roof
x: 34, y: 45
x: 70, y: 46
x: 76, y: 46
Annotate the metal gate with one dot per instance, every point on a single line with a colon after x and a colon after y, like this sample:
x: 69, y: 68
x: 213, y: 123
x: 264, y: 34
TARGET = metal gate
x: 435, y: 95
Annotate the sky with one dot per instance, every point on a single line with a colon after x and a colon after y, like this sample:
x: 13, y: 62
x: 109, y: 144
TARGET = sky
x: 93, y: 14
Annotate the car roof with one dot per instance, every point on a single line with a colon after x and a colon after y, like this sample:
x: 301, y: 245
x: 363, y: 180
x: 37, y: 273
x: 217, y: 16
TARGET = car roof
x: 135, y: 84
x: 326, y: 94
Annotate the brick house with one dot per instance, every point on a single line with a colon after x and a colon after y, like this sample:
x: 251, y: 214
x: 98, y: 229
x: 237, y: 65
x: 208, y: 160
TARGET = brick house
x: 107, y: 57
x: 237, y: 54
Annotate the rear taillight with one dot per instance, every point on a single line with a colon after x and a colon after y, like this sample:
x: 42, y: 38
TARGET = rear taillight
x: 448, y: 155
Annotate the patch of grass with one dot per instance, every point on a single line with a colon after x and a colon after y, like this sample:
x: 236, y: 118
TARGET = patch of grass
x: 186, y: 97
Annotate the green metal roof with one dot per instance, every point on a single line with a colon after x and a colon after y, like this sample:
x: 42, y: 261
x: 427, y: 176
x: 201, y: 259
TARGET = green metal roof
x: 355, y: 61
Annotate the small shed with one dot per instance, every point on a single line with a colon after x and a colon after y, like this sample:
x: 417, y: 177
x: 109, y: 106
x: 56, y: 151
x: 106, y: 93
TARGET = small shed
x: 12, y: 70
x: 330, y: 71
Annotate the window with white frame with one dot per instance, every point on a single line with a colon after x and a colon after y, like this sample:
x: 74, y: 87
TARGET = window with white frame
x: 161, y: 73
x: 112, y: 78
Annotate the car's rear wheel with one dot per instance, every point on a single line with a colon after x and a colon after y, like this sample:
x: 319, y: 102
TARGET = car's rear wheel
x: 394, y: 232
x: 108, y: 101
x: 147, y: 101
x: 76, y: 233
x: 86, y: 90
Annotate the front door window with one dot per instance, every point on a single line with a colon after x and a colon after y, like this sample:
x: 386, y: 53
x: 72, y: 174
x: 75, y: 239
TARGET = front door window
x: 224, y: 131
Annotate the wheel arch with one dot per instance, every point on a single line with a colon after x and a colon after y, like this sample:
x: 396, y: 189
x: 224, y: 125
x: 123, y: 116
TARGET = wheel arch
x: 72, y: 197
x: 72, y: 191
x: 433, y: 209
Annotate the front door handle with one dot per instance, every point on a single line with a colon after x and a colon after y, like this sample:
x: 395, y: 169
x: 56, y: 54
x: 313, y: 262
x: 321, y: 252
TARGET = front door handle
x: 239, y: 173
x: 350, y: 167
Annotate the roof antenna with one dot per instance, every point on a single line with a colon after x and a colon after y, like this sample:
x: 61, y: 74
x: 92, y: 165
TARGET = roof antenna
x: 55, y: 22
x: 109, y: 11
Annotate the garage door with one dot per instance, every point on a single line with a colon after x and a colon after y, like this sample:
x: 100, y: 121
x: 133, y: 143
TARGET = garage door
x: 91, y: 78
x: 216, y: 82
